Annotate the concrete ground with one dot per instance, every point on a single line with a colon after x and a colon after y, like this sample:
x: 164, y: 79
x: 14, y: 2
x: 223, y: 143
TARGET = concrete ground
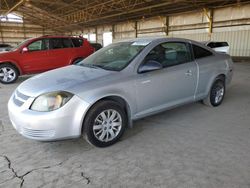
x: 191, y: 146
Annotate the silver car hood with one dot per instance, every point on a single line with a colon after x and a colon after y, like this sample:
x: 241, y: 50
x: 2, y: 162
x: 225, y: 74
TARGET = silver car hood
x: 69, y: 78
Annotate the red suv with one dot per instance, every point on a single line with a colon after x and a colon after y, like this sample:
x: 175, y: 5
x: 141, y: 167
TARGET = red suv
x: 41, y: 54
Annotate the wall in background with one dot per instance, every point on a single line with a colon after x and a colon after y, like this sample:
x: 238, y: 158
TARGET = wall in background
x: 231, y: 24
x: 14, y: 33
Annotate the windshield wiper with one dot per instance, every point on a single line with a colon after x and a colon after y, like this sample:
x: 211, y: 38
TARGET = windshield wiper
x: 89, y: 65
x: 95, y: 66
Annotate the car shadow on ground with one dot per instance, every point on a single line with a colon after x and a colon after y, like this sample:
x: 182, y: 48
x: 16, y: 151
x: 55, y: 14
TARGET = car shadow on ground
x: 164, y: 118
x: 138, y: 126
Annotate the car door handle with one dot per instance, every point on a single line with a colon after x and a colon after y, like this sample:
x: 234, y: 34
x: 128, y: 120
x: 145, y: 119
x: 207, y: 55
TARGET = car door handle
x: 189, y: 73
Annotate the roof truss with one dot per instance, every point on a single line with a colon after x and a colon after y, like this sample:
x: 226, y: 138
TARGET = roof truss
x: 68, y: 15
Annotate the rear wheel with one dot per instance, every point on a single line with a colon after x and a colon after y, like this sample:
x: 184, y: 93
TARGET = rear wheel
x: 104, y: 124
x: 216, y: 94
x: 8, y: 73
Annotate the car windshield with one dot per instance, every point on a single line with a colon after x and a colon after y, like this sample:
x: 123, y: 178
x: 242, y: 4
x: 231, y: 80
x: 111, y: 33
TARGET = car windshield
x: 114, y: 57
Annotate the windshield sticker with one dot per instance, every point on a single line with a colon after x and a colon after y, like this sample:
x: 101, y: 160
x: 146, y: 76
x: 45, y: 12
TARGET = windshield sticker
x: 140, y: 43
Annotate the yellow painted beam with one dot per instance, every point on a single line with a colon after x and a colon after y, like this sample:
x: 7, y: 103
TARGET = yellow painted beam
x: 210, y: 19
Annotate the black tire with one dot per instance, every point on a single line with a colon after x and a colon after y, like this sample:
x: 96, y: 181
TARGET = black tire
x: 77, y: 61
x: 212, y: 99
x: 90, y: 121
x: 8, y: 73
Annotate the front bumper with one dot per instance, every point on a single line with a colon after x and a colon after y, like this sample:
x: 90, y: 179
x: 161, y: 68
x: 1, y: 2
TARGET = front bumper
x: 65, y: 122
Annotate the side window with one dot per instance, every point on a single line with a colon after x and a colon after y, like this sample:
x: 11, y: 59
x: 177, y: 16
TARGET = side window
x: 221, y: 44
x: 36, y: 46
x: 77, y: 42
x: 170, y: 54
x: 224, y: 44
x: 217, y: 44
x: 81, y: 42
x: 211, y: 45
x: 46, y: 44
x: 56, y: 43
x: 200, y: 52
x: 67, y: 43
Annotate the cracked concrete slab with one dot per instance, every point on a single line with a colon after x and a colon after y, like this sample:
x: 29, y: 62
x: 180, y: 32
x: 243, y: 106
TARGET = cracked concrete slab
x: 190, y: 146
x: 14, y: 173
x: 6, y: 173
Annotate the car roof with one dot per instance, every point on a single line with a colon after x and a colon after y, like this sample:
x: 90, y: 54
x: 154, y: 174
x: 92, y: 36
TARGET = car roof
x: 152, y: 39
x: 58, y: 36
x: 206, y: 42
x: 53, y: 36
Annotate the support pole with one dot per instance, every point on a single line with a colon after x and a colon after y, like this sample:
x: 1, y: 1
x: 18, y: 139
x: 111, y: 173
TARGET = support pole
x: 113, y: 32
x: 210, y: 20
x: 136, y: 29
x: 1, y: 32
x: 24, y: 29
x: 167, y: 26
x: 96, y: 34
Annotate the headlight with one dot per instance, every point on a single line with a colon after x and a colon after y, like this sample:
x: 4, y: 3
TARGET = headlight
x: 51, y: 101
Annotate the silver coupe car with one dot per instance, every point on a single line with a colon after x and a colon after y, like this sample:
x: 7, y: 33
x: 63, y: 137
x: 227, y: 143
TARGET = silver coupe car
x: 102, y: 95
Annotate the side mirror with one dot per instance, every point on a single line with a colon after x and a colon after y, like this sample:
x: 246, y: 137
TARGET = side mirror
x: 150, y: 65
x: 25, y: 49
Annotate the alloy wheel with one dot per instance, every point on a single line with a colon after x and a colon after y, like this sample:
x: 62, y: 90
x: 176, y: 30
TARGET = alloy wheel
x: 7, y: 74
x: 107, y: 125
x: 219, y: 95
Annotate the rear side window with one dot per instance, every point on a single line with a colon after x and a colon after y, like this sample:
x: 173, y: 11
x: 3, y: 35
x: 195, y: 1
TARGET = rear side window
x: 200, y: 52
x: 56, y: 43
x: 77, y: 42
x: 67, y: 43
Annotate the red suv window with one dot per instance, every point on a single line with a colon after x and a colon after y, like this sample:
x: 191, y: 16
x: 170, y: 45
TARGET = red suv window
x: 56, y: 43
x: 67, y: 43
x: 42, y: 44
x: 77, y: 42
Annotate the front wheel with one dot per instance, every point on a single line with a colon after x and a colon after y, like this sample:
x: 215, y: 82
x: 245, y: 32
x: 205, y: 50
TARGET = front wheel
x: 216, y: 94
x: 8, y: 74
x: 104, y: 124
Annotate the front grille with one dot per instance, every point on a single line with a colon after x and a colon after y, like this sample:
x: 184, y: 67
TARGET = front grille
x: 22, y: 96
x: 19, y: 98
x: 17, y: 102
x: 37, y: 133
